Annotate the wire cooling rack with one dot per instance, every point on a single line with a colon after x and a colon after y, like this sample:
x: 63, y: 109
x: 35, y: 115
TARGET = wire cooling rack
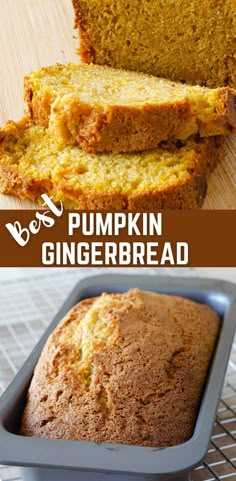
x: 27, y: 307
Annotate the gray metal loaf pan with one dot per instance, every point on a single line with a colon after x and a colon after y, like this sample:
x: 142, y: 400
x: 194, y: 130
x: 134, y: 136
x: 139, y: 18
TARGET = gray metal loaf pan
x: 61, y: 460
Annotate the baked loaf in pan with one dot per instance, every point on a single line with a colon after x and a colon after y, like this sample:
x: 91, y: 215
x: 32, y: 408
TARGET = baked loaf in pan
x: 104, y: 109
x: 178, y: 39
x: 172, y: 176
x: 123, y: 368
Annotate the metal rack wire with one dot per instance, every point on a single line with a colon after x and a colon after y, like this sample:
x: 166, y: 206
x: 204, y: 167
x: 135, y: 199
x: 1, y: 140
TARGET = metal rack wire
x: 26, y: 309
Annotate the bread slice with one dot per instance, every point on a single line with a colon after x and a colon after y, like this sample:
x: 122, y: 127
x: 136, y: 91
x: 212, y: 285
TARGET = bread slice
x: 173, y: 176
x: 104, y: 109
x: 183, y: 40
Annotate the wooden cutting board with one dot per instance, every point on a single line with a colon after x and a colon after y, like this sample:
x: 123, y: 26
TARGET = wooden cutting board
x: 36, y: 33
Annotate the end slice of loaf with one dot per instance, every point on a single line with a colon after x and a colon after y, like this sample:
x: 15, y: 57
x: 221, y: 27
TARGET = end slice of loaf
x: 138, y: 356
x: 183, y: 40
x: 104, y: 109
x: 173, y: 176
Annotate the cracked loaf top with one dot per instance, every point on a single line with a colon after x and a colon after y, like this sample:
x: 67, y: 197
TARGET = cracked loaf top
x: 123, y: 368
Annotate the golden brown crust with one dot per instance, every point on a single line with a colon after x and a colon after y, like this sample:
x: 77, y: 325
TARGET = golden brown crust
x: 227, y: 98
x: 225, y: 114
x: 85, y: 50
x: 151, y: 370
x: 24, y: 187
x: 127, y: 129
x: 37, y: 110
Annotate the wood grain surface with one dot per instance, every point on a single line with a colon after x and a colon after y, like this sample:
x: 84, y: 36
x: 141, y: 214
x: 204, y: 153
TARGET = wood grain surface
x: 36, y: 33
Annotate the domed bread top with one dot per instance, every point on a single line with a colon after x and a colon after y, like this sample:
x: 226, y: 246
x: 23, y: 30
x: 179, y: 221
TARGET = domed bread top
x: 123, y: 368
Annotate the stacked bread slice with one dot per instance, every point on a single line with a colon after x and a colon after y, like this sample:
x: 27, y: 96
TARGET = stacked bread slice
x: 171, y: 176
x: 99, y: 138
x: 105, y: 109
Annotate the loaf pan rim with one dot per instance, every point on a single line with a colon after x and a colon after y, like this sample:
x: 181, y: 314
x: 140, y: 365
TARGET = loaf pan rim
x: 193, y: 451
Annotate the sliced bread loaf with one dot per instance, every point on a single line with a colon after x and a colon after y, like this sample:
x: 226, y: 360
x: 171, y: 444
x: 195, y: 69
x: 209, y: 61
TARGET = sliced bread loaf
x: 104, y: 109
x: 178, y: 39
x: 173, y: 176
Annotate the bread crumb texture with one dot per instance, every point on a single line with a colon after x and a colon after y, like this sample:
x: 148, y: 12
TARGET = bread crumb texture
x: 173, y: 176
x: 123, y: 368
x: 181, y: 40
x: 104, y: 109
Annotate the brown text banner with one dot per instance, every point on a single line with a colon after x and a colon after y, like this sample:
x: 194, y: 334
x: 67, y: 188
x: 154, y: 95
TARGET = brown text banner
x: 35, y: 238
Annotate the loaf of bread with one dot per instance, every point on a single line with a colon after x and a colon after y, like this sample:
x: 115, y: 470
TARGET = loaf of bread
x: 105, y: 109
x: 192, y: 41
x: 123, y: 368
x: 172, y: 176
